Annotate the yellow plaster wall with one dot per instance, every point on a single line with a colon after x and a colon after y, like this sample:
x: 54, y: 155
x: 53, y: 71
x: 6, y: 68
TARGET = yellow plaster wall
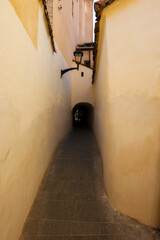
x: 27, y: 11
x: 127, y: 107
x: 35, y: 114
x: 82, y: 88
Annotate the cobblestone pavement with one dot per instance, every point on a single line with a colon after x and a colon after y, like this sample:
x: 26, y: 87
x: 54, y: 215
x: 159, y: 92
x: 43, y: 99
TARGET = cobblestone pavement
x: 71, y: 203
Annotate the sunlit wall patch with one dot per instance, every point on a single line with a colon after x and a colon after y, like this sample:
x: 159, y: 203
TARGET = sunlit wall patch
x: 28, y: 11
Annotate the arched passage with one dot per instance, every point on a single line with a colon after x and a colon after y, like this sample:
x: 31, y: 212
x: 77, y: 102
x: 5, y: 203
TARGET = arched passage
x: 82, y: 115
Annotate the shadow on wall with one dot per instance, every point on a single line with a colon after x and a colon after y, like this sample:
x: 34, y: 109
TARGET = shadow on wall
x: 82, y: 115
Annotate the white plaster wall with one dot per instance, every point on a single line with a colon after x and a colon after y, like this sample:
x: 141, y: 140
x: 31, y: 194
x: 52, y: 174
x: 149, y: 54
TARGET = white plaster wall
x: 127, y: 107
x: 34, y: 115
x: 82, y: 88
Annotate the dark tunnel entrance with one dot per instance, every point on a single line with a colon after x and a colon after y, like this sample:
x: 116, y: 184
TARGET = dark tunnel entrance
x: 82, y: 115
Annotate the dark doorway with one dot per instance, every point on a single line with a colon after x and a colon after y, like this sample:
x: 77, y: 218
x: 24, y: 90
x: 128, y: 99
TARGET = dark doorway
x: 82, y: 115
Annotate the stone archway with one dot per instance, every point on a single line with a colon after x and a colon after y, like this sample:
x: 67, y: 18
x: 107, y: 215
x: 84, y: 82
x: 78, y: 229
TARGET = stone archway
x: 82, y: 115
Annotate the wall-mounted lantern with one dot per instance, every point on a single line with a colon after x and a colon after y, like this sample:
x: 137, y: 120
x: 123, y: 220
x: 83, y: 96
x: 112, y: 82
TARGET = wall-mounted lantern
x: 78, y: 58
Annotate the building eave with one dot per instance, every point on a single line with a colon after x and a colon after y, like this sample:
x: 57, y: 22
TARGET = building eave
x: 100, y: 5
x: 85, y: 46
x: 49, y: 24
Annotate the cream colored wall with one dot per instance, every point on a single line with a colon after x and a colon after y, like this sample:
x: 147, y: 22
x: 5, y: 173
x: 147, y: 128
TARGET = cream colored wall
x: 72, y: 29
x: 81, y: 22
x: 88, y: 21
x: 127, y: 107
x: 64, y: 26
x: 82, y: 88
x: 35, y: 114
x: 85, y: 21
x: 76, y: 21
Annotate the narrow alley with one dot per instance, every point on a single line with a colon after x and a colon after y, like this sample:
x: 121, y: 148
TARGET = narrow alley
x: 86, y: 64
x: 71, y: 203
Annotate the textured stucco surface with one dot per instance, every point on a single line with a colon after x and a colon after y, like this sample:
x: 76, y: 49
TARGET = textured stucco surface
x: 127, y: 106
x: 27, y: 11
x: 35, y: 115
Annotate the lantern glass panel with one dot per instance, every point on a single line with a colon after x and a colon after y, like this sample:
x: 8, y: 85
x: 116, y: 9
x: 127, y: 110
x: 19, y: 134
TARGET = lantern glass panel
x: 78, y: 58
